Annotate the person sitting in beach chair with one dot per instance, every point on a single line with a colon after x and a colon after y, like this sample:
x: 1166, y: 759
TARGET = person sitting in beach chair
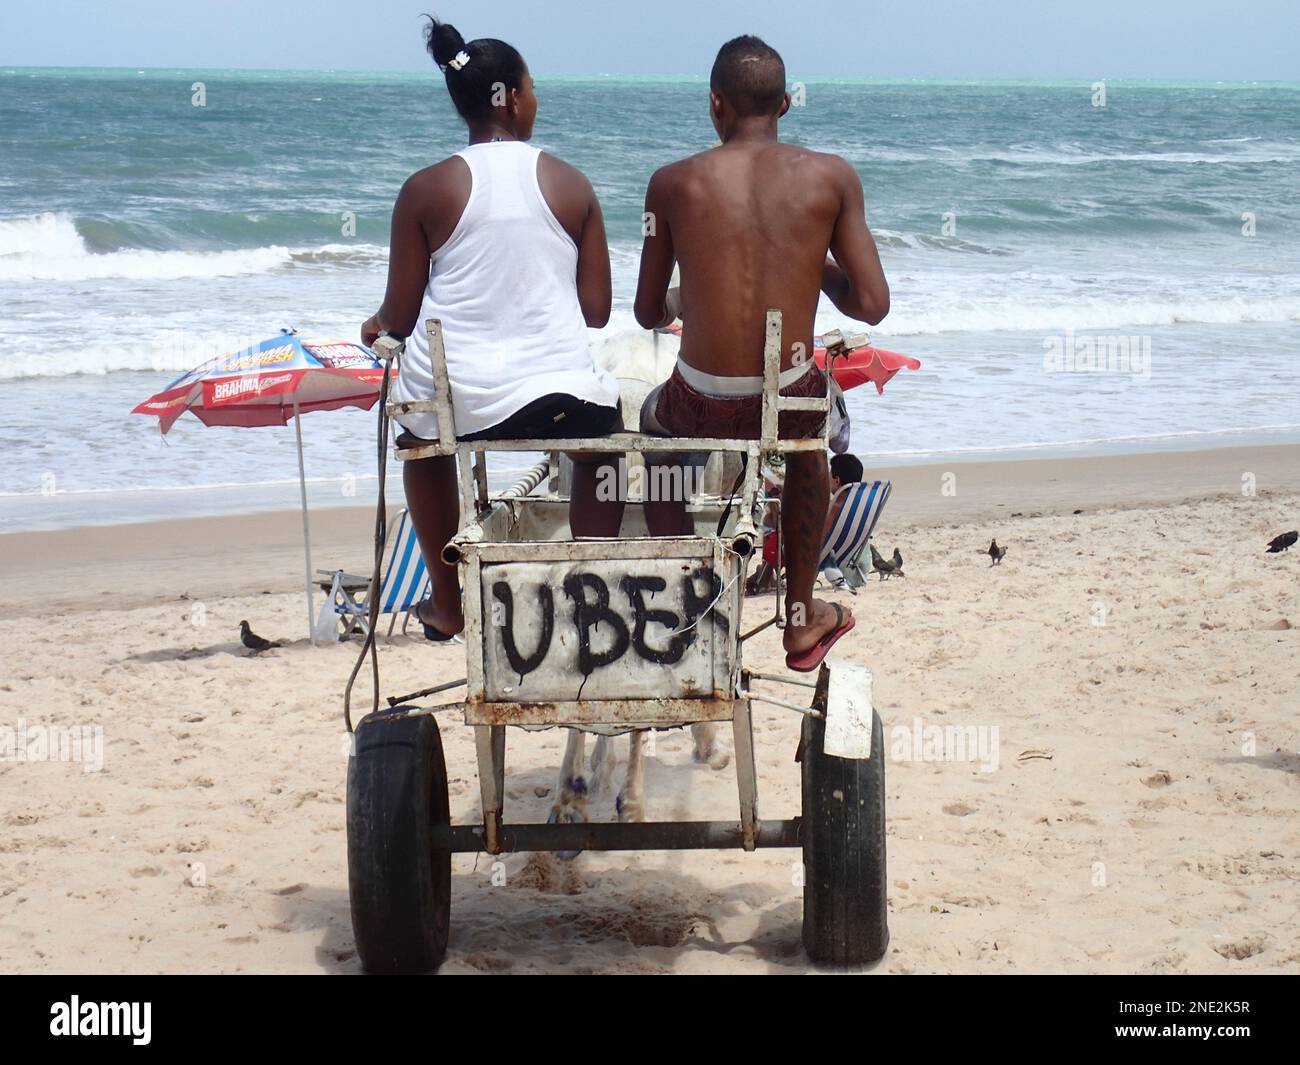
x: 855, y: 508
x: 506, y: 245
x: 851, y: 518
x: 755, y: 224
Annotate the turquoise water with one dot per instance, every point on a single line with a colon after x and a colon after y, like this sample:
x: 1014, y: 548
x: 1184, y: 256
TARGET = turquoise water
x: 140, y: 234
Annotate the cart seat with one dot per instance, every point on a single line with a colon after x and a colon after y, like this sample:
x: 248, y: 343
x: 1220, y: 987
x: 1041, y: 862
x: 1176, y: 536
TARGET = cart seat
x: 409, y: 446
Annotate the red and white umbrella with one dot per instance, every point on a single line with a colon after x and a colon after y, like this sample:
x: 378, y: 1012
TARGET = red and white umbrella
x: 269, y: 383
x: 857, y: 366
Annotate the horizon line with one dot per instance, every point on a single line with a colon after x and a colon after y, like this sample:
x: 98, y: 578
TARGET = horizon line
x: 665, y: 75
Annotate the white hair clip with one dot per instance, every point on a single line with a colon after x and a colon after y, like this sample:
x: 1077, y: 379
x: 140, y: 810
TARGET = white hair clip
x: 459, y: 61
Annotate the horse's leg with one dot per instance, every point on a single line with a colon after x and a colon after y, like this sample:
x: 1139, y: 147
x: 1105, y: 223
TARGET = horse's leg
x: 603, y: 761
x: 707, y: 748
x: 571, y: 793
x: 631, y: 800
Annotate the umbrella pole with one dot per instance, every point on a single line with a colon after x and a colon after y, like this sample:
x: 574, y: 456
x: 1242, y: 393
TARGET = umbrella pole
x: 306, y: 529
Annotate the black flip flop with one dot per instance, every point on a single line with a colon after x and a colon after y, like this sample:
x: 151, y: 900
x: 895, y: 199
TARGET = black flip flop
x: 430, y: 633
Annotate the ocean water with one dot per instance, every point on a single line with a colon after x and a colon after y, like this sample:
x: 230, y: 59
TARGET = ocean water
x: 141, y: 234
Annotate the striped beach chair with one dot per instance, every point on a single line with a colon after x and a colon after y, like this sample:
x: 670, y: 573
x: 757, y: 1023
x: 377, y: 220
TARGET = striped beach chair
x: 846, y: 544
x: 404, y: 582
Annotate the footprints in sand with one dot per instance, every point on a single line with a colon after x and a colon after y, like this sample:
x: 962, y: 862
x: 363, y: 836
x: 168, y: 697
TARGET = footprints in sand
x: 972, y: 902
x: 24, y: 844
x: 1245, y: 870
x: 315, y: 796
x: 1241, y: 949
x: 642, y: 921
x: 489, y: 961
x: 545, y: 873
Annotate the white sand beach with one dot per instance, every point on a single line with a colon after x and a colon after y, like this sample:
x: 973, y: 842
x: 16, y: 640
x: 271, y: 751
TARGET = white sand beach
x: 1138, y: 659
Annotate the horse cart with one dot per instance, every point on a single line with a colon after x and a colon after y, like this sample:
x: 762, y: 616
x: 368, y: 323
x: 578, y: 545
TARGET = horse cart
x: 611, y: 636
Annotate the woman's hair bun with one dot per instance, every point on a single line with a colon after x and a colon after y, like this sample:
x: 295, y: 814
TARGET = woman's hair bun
x: 473, y: 85
x: 443, y: 41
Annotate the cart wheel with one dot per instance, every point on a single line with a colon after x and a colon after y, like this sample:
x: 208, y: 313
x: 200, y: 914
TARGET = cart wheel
x: 845, y: 895
x: 400, y: 886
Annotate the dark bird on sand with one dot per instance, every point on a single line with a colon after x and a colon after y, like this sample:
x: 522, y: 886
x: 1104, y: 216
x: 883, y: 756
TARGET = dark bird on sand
x: 996, y: 553
x: 898, y: 562
x: 254, y: 642
x: 1281, y: 543
x: 882, y: 565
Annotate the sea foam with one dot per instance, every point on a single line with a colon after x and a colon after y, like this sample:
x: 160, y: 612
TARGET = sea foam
x: 48, y: 247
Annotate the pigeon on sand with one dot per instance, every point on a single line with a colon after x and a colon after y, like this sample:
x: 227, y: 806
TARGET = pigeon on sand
x: 255, y: 643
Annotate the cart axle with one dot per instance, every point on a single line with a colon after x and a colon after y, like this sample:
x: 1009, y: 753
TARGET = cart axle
x: 617, y: 836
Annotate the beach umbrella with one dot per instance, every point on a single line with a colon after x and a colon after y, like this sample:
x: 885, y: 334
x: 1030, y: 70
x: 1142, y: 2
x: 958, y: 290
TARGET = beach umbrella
x: 860, y: 365
x: 267, y: 384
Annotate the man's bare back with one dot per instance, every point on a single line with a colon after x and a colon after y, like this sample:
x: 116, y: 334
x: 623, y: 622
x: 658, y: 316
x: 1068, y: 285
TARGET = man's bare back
x: 750, y: 224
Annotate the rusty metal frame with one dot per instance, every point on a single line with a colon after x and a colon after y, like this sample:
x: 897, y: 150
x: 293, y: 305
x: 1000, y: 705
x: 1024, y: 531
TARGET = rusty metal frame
x: 621, y: 441
x: 472, y: 547
x: 617, y: 836
x: 626, y: 714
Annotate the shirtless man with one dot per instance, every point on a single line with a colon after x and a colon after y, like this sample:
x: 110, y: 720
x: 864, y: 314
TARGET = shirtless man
x: 754, y: 223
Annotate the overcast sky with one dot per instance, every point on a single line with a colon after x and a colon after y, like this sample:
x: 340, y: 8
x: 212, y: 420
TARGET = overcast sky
x: 1249, y: 40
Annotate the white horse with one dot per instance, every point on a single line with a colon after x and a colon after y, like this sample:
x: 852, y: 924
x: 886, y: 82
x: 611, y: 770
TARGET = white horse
x: 639, y: 361
x: 575, y: 788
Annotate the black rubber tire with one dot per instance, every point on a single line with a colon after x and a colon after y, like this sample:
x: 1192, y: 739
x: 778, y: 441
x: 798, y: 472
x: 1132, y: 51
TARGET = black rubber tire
x: 399, y: 885
x: 845, y: 894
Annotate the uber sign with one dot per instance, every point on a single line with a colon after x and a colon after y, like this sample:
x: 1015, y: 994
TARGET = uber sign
x: 606, y: 629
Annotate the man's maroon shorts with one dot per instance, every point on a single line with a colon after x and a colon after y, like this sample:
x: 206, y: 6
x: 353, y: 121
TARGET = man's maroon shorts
x: 676, y: 409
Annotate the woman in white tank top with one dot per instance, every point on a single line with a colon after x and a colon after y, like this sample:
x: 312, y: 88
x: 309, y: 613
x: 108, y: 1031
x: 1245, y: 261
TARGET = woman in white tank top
x: 507, y: 247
